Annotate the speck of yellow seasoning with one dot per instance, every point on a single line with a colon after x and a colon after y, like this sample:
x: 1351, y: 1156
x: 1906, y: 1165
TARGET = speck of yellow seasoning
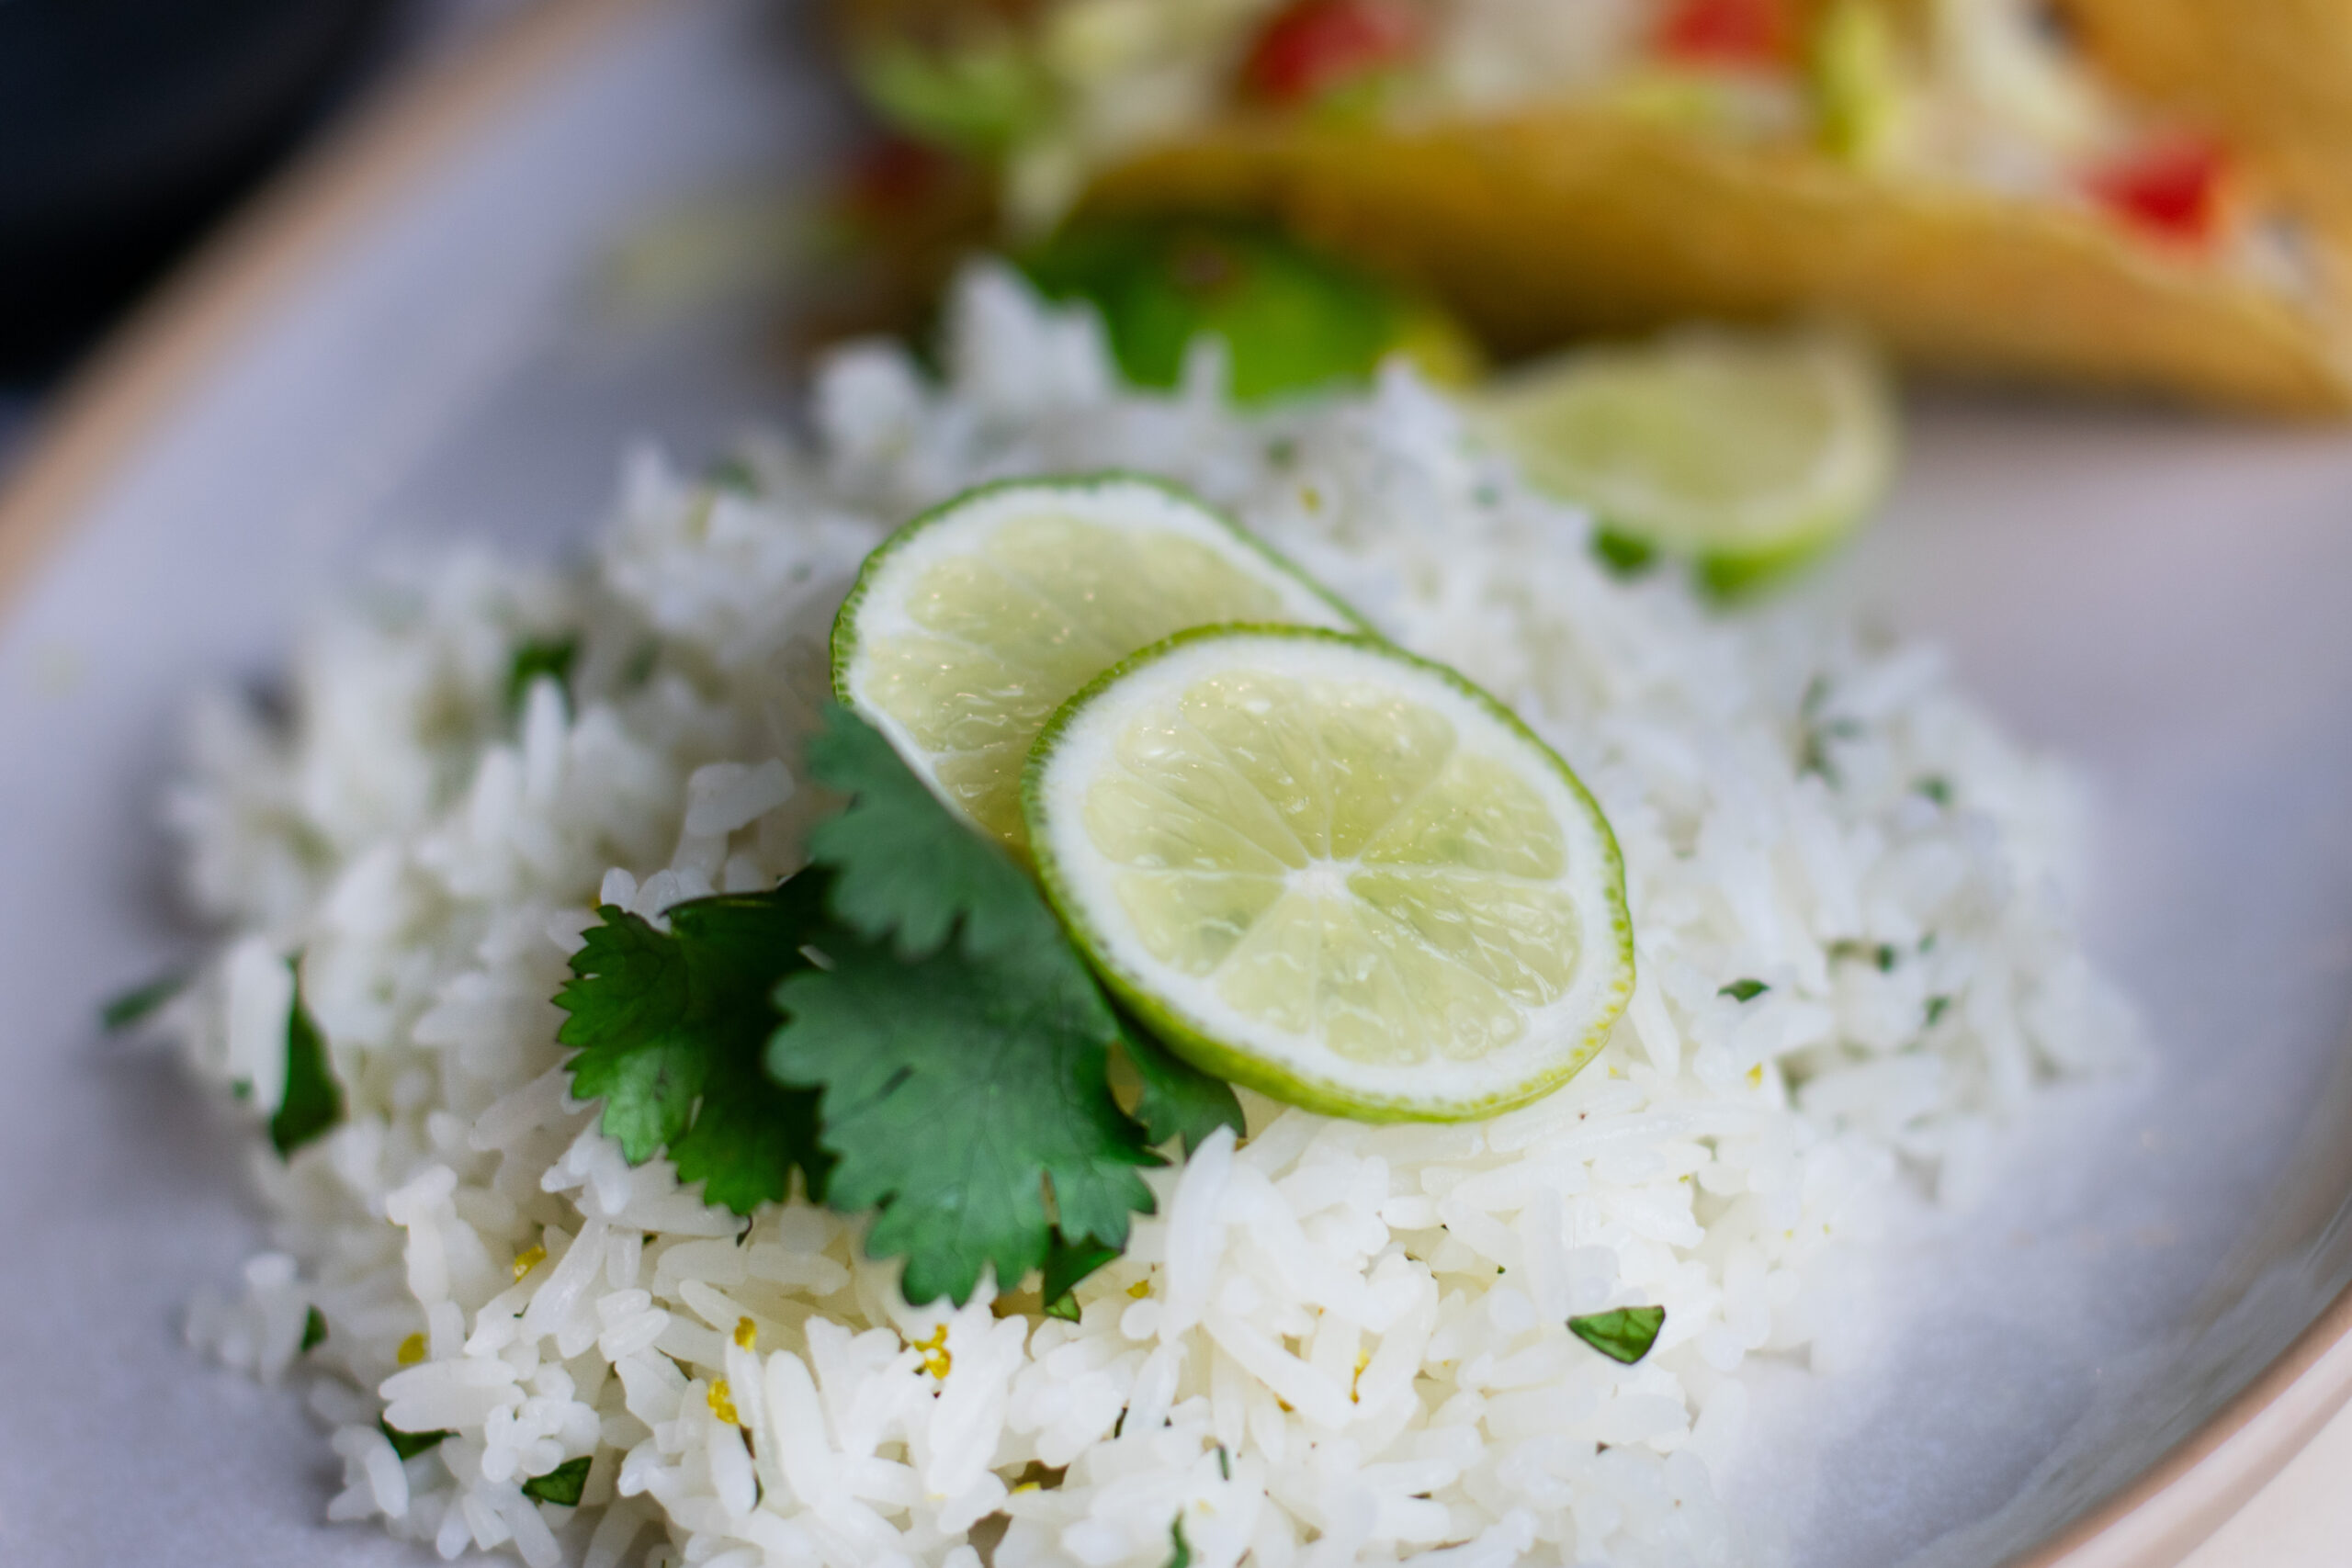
x: 1140, y: 1289
x: 530, y: 1257
x: 412, y: 1350
x: 721, y: 1400
x: 747, y: 1334
x: 1756, y: 1076
x: 1364, y: 1360
x: 1024, y: 1486
x: 936, y: 1358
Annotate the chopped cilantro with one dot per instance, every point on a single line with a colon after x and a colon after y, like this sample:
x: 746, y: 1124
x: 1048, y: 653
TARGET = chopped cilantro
x: 1066, y: 1265
x: 1179, y: 1099
x: 408, y: 1445
x: 139, y: 1003
x: 536, y: 657
x: 734, y: 475
x: 1744, y: 990
x: 952, y: 1084
x: 639, y: 667
x: 1180, y: 1555
x: 1624, y: 1335
x: 1879, y: 952
x: 905, y: 869
x: 560, y: 1485
x: 1223, y: 1464
x: 1936, y: 787
x: 314, y: 1330
x: 1625, y: 555
x: 313, y: 1101
x: 671, y: 1027
x: 1937, y: 1008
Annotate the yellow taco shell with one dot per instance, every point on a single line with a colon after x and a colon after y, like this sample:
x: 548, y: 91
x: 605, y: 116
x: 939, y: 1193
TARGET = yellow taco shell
x: 1547, y: 225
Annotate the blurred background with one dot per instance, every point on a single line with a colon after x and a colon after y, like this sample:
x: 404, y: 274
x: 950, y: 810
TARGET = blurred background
x: 129, y: 127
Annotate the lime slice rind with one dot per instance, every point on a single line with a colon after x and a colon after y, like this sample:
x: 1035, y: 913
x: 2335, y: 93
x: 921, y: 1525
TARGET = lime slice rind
x: 1556, y: 1034
x: 967, y: 627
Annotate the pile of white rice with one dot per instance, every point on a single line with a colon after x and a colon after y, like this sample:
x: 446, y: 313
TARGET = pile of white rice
x: 1336, y: 1343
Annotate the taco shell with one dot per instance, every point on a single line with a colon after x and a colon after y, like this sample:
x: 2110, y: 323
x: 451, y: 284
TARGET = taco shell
x: 1563, y: 222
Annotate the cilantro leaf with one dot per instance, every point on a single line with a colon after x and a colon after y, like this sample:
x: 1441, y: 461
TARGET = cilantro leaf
x: 408, y: 1445
x: 314, y: 1330
x: 552, y: 657
x: 1744, y: 990
x: 905, y: 866
x: 1179, y: 1099
x: 1624, y: 1335
x: 137, y: 1004
x: 951, y: 1087
x: 562, y: 1485
x: 1180, y: 1553
x: 1625, y: 555
x: 313, y: 1101
x: 670, y: 1027
x: 1066, y: 1265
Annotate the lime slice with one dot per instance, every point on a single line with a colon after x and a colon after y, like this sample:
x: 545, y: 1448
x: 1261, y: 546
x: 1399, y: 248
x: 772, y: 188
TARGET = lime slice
x: 1747, y: 453
x: 1334, y: 872
x: 969, y: 626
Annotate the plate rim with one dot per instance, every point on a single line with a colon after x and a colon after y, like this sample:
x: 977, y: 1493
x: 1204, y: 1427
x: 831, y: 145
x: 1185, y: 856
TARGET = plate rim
x: 153, y: 365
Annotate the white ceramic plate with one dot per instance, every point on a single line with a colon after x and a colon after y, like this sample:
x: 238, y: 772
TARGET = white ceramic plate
x: 409, y: 347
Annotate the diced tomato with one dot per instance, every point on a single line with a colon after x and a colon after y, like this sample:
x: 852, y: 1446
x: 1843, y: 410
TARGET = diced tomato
x: 2170, y: 188
x: 889, y: 176
x: 1729, y: 32
x: 1312, y: 46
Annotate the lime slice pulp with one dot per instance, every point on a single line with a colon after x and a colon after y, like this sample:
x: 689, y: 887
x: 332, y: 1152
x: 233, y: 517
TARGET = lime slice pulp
x: 970, y: 624
x: 1338, y: 874
x: 1746, y: 453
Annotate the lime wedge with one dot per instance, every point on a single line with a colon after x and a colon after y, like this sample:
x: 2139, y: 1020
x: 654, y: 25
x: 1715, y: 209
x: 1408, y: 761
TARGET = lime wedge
x: 1334, y: 872
x: 969, y: 626
x: 1746, y: 453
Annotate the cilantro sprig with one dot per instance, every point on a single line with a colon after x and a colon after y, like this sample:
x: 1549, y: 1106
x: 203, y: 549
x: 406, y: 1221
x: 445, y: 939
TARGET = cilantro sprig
x: 671, y: 1027
x: 906, y: 1024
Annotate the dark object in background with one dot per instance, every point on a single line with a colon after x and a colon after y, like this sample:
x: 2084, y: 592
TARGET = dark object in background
x: 125, y: 125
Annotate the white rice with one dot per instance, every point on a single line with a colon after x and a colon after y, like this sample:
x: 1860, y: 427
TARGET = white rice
x: 1336, y: 1343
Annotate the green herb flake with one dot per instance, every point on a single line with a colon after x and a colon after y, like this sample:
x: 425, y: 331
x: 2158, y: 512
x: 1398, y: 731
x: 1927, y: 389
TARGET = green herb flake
x: 734, y: 476
x: 1624, y: 1335
x: 313, y: 1101
x: 560, y: 1485
x: 641, y: 665
x: 1937, y: 1008
x: 671, y: 1027
x: 1881, y: 954
x: 535, y: 658
x: 140, y: 1003
x: 1180, y: 1555
x: 1744, y: 990
x: 1066, y: 1265
x: 408, y: 1445
x: 314, y: 1330
x: 1936, y: 787
x: 1223, y: 1464
x: 1625, y: 555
